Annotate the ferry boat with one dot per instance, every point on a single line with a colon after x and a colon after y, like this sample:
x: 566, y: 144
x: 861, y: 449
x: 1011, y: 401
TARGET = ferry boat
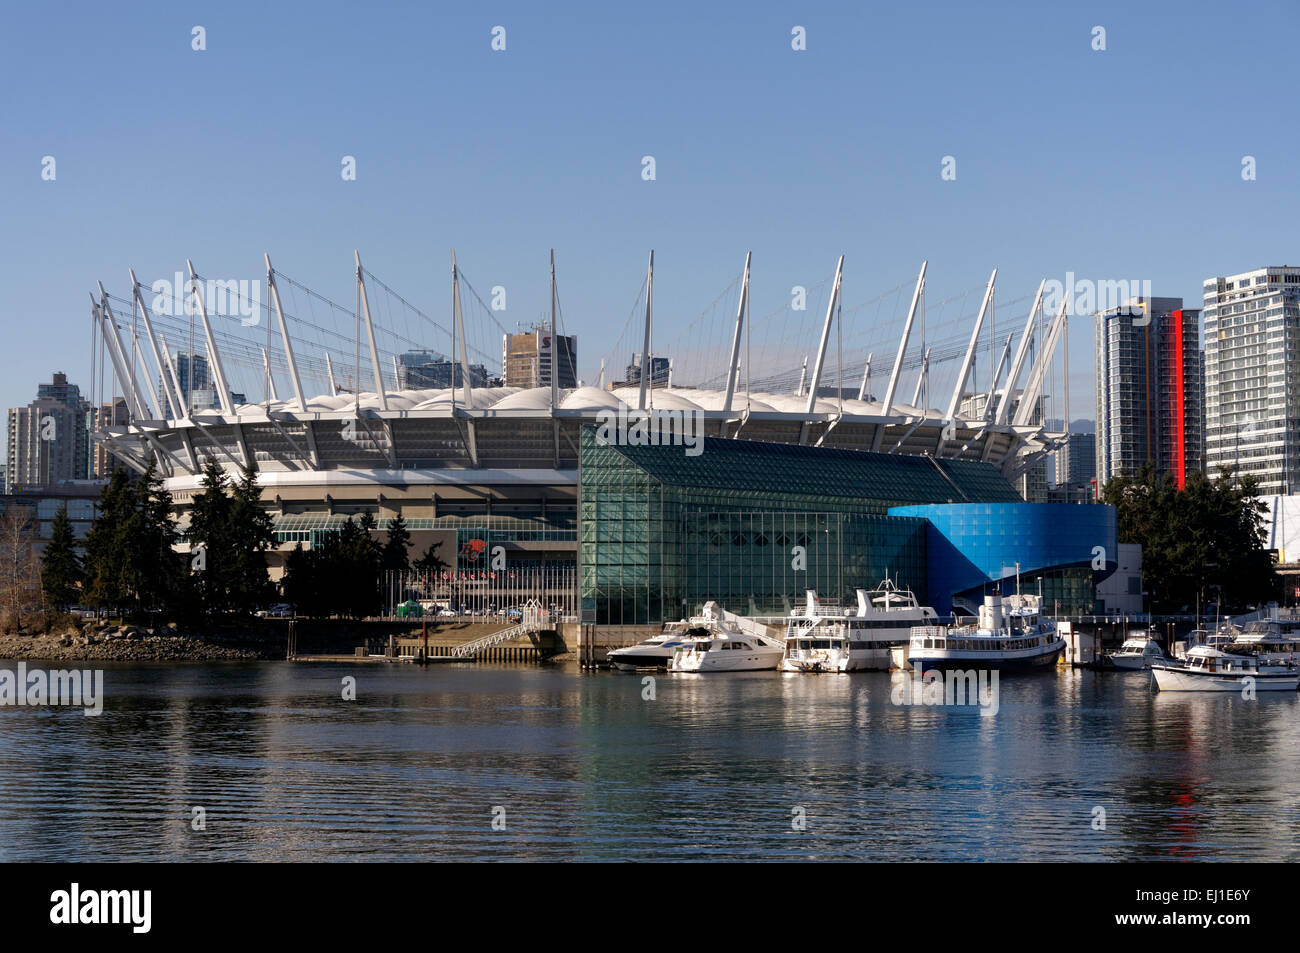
x: 725, y: 648
x: 1137, y: 653
x: 822, y: 637
x: 1210, y: 670
x: 657, y: 651
x: 1011, y: 635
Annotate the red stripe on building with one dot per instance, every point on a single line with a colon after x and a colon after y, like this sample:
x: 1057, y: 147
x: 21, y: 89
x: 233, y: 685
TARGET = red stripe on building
x: 1180, y: 432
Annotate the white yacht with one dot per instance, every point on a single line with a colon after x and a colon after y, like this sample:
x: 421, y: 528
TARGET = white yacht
x: 822, y: 637
x: 1210, y: 670
x: 1137, y: 653
x: 657, y: 651
x: 1267, y: 642
x: 1011, y: 635
x: 726, y: 648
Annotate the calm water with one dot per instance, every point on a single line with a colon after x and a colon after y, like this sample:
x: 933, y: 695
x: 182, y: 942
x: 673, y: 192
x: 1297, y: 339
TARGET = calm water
x: 585, y: 769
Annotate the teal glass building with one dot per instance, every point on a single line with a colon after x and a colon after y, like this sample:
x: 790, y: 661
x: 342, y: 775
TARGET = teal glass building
x: 752, y: 524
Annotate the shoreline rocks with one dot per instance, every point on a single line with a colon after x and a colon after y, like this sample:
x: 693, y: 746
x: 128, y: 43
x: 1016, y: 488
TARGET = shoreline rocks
x: 131, y: 643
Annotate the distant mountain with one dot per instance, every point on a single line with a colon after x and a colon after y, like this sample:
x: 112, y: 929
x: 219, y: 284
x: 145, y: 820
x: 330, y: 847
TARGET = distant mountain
x: 1078, y: 425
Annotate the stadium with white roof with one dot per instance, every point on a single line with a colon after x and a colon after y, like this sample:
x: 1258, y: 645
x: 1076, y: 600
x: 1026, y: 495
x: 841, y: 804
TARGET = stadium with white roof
x: 336, y: 433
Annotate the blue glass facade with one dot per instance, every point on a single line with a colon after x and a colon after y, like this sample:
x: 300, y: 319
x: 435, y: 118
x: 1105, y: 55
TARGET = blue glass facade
x: 973, y: 548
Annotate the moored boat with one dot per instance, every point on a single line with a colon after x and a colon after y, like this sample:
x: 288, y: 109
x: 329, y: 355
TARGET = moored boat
x: 1010, y: 635
x: 726, y: 648
x: 1210, y: 670
x: 656, y: 651
x: 1137, y: 653
x: 822, y: 637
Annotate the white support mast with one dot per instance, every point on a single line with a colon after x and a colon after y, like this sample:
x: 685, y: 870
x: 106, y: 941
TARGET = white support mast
x: 555, y: 344
x: 270, y: 378
x: 117, y: 352
x: 1041, y: 368
x: 218, y: 370
x: 887, y: 405
x: 866, y: 378
x: 1008, y: 395
x: 459, y: 319
x: 288, y: 345
x: 329, y: 372
x: 921, y: 380
x: 826, y: 336
x: 380, y: 390
x: 989, y: 407
x: 742, y: 314
x: 649, y: 317
x: 171, y: 397
x: 968, y: 362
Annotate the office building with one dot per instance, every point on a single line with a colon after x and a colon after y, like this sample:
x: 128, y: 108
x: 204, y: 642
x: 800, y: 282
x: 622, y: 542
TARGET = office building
x: 528, y: 359
x: 428, y: 370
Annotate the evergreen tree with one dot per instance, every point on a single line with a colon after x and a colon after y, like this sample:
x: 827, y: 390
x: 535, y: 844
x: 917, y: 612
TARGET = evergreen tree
x: 211, y: 544
x: 396, y: 553
x: 430, y: 562
x: 61, y: 571
x: 155, y: 568
x: 106, y: 549
x: 1208, y: 537
x: 252, y: 533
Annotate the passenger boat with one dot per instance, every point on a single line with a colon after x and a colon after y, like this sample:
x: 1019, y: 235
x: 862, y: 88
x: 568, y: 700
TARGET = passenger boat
x: 1137, y: 653
x: 1210, y: 670
x: 1010, y: 635
x: 725, y: 648
x: 822, y: 637
x: 657, y: 651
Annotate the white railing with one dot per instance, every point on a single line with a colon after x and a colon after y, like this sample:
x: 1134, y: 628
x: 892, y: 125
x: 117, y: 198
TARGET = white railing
x: 488, y: 641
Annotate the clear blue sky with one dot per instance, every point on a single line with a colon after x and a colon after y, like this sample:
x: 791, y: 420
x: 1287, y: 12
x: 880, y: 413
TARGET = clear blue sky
x: 1117, y: 164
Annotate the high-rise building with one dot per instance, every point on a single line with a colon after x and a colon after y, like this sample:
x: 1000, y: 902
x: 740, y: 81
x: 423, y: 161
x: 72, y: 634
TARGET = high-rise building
x: 192, y: 375
x: 1076, y: 461
x: 660, y: 368
x: 528, y: 359
x: 426, y: 370
x: 48, y: 439
x: 1252, y: 376
x: 1149, y: 389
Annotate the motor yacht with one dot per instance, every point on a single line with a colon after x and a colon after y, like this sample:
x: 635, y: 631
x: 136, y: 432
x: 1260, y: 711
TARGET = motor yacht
x: 820, y: 636
x: 1210, y: 670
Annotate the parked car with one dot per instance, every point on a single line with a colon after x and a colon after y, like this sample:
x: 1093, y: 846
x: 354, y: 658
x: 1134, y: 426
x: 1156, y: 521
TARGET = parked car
x: 447, y: 613
x: 281, y: 610
x: 410, y: 609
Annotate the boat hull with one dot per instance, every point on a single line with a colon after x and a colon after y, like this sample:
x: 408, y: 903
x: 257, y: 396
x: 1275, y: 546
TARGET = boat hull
x: 960, y: 659
x: 1170, y: 678
x: 715, y: 661
x: 1130, y: 663
x: 630, y: 661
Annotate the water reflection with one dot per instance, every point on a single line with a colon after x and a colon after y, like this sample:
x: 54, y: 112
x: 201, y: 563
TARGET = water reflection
x: 586, y: 766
